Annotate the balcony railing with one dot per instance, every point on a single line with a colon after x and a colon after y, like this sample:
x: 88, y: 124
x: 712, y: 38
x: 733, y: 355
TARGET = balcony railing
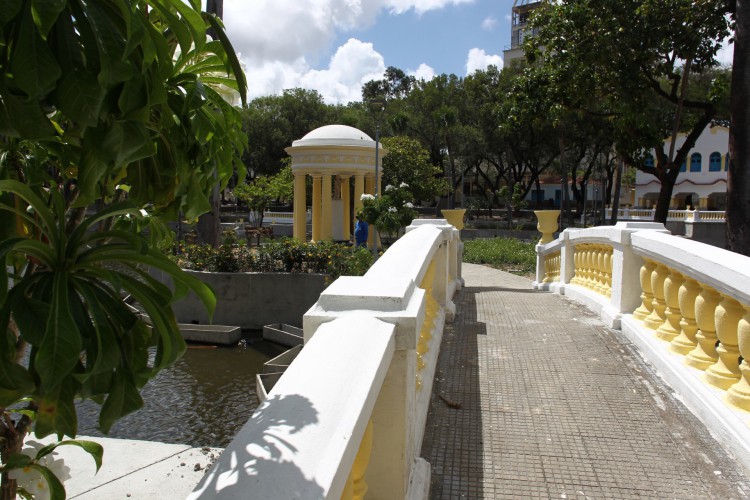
x: 647, y: 214
x: 684, y: 304
x: 348, y: 415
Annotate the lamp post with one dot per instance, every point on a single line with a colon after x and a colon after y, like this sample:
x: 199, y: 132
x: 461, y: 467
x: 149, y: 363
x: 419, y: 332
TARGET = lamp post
x: 377, y: 105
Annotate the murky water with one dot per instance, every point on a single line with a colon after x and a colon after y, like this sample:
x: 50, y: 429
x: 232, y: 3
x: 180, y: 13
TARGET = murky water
x: 202, y: 400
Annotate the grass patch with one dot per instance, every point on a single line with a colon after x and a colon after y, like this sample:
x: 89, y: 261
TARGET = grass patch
x: 508, y: 254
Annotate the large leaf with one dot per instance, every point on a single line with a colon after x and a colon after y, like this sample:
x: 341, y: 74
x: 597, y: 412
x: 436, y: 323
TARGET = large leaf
x: 61, y: 346
x: 234, y: 62
x: 39, y: 78
x: 45, y: 14
x: 10, y: 10
x: 123, y: 398
x: 80, y: 96
x: 57, y: 411
x: 28, y: 119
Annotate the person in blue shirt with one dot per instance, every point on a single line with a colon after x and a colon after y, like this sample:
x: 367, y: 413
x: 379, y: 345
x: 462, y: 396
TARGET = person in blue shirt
x: 360, y: 232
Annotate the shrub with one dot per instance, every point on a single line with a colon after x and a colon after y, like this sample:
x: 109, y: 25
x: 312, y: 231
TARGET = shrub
x: 509, y: 254
x: 284, y: 255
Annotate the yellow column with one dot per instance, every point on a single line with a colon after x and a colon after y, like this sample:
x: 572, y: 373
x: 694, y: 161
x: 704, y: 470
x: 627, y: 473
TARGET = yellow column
x: 657, y: 316
x: 670, y: 329
x: 326, y: 195
x: 300, y: 207
x: 356, y: 487
x: 345, y: 203
x: 316, y: 208
x: 726, y: 371
x: 739, y: 393
x: 685, y: 342
x: 359, y: 190
x: 647, y: 297
x: 704, y: 354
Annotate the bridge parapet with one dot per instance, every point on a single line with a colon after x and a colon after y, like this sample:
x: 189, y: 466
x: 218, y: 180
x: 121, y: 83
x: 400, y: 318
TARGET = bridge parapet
x: 348, y: 416
x: 684, y: 304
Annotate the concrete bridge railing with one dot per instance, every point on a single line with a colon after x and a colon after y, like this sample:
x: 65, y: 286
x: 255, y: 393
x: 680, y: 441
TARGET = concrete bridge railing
x: 348, y: 415
x: 684, y: 304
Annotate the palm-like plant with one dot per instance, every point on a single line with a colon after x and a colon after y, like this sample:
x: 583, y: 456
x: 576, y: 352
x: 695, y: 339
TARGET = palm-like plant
x: 100, y: 102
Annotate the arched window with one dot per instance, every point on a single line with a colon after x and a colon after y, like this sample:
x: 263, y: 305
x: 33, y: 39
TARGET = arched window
x: 695, y: 162
x: 649, y: 161
x: 714, y: 162
x: 683, y: 167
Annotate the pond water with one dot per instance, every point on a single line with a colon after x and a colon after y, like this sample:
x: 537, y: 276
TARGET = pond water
x: 202, y: 400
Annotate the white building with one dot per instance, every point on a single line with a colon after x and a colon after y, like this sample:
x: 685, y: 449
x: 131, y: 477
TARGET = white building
x: 519, y: 30
x: 702, y: 182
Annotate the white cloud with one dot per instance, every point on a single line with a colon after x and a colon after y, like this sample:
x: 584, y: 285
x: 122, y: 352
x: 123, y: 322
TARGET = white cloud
x: 423, y: 72
x: 419, y: 6
x: 284, y: 43
x: 479, y: 59
x: 353, y: 64
x: 489, y: 23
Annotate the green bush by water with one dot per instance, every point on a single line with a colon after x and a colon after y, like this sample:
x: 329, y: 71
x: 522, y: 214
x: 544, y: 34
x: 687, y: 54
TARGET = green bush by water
x: 508, y: 254
x: 284, y: 255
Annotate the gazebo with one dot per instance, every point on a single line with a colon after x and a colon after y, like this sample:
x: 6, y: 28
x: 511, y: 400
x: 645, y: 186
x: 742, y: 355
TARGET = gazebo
x: 332, y: 155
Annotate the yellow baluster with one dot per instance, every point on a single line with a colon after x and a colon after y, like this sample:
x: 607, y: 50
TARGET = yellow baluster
x: 670, y: 329
x: 576, y: 279
x: 356, y: 487
x: 657, y: 316
x: 726, y: 371
x: 739, y: 393
x: 704, y: 354
x: 647, y: 297
x: 685, y: 342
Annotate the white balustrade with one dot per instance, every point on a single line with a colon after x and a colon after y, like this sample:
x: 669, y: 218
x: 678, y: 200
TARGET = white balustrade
x: 348, y: 415
x: 684, y: 304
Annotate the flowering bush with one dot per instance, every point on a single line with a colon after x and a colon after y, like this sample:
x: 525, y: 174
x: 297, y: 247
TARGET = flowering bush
x: 285, y: 255
x: 391, y: 212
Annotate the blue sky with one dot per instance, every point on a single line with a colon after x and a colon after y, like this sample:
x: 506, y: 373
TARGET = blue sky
x: 334, y: 46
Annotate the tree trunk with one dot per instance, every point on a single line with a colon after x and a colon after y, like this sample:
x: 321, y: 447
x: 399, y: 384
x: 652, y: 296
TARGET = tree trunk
x: 564, y: 200
x: 738, y: 180
x: 665, y: 197
x: 618, y: 187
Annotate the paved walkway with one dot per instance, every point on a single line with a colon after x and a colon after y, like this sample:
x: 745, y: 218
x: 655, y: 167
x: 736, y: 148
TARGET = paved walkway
x: 554, y: 405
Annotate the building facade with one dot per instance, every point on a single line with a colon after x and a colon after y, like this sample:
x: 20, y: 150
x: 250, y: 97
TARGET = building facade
x: 702, y: 182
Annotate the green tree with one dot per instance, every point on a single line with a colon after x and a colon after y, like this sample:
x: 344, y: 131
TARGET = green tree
x: 634, y: 61
x: 112, y: 106
x: 408, y: 162
x: 265, y: 190
x: 272, y: 123
x: 738, y: 177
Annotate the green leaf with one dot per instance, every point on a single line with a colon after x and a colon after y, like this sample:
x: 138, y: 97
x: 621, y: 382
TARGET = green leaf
x: 234, y: 63
x: 123, y: 398
x: 80, y: 96
x: 192, y: 18
x: 30, y: 315
x: 16, y: 461
x: 39, y: 78
x: 56, y: 488
x: 9, y: 11
x: 57, y: 411
x: 61, y: 346
x: 175, y: 25
x: 28, y: 122
x: 45, y: 14
x: 92, y: 448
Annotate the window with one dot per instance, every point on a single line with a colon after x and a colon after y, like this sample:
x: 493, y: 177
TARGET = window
x: 683, y: 167
x: 714, y: 162
x: 695, y: 162
x: 649, y: 161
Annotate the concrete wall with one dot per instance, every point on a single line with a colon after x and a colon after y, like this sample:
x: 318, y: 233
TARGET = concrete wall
x: 251, y: 300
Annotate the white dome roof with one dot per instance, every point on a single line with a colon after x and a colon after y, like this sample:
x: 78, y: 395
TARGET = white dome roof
x: 335, y: 135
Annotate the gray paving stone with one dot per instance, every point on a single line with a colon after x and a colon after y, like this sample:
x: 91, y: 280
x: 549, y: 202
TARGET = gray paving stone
x: 554, y: 405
